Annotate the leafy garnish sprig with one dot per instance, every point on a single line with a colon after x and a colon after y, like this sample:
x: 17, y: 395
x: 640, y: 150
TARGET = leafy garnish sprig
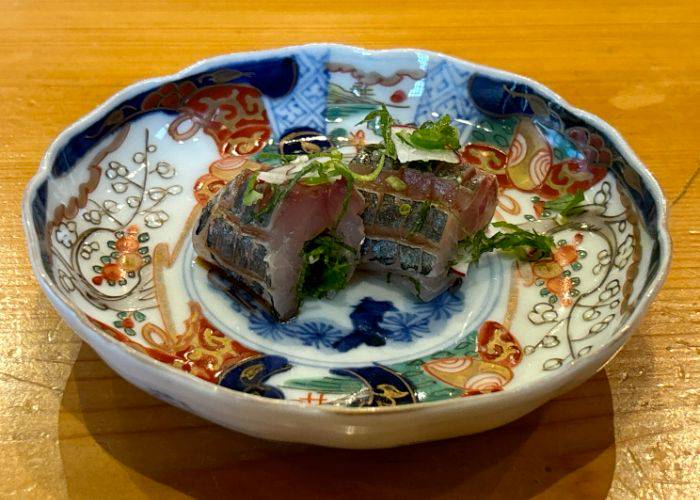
x: 280, y: 191
x: 431, y: 135
x: 524, y: 245
x: 324, y: 167
x: 327, y: 262
x: 326, y: 259
x: 386, y: 121
x: 567, y: 204
x: 251, y: 195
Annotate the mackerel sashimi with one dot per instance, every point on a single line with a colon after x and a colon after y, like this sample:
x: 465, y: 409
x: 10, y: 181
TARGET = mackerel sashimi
x: 415, y: 216
x: 283, y: 239
x: 298, y: 225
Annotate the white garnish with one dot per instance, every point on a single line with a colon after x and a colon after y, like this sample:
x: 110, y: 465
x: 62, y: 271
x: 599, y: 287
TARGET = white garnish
x: 406, y: 152
x: 280, y: 175
x: 460, y: 268
x: 277, y: 175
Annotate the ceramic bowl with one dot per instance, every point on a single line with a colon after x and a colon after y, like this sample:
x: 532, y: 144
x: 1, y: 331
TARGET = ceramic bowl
x: 109, y: 214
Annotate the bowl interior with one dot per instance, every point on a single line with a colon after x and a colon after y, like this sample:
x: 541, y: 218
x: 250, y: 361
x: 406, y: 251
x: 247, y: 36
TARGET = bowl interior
x: 112, y: 209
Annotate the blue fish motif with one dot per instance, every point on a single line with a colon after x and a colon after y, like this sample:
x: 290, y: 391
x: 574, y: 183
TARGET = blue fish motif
x: 366, y: 317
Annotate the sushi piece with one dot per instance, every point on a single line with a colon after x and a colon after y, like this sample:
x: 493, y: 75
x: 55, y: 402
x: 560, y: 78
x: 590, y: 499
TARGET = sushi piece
x: 283, y: 238
x: 415, y: 215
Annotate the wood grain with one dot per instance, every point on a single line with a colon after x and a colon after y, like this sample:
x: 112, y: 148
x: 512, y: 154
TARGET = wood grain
x: 70, y: 426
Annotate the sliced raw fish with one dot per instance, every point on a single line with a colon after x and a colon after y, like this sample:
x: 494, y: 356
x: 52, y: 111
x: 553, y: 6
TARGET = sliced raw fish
x: 263, y: 250
x: 414, y: 218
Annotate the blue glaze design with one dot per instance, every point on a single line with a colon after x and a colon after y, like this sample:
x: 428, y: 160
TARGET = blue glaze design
x: 274, y: 77
x: 249, y: 375
x: 374, y: 323
x: 317, y: 334
x: 405, y: 327
x: 305, y: 105
x: 497, y: 97
x: 386, y: 387
x: 562, y: 147
x: 639, y: 193
x: 446, y: 93
x: 39, y: 221
x: 366, y: 317
x: 502, y: 98
x: 444, y: 306
x: 266, y: 326
x: 257, y: 331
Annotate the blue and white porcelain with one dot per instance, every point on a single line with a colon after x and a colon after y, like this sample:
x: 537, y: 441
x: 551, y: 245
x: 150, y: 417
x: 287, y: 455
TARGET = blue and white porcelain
x: 109, y: 214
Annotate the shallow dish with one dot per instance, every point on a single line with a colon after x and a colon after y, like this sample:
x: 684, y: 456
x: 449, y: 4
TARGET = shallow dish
x: 108, y: 219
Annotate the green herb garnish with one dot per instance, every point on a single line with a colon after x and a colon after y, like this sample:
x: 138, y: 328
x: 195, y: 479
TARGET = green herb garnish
x: 567, y: 204
x: 524, y: 245
x: 439, y: 134
x: 321, y: 172
x: 279, y: 192
x: 386, y: 121
x: 327, y: 262
x: 422, y: 217
x: 415, y: 283
x: 250, y: 195
x: 350, y: 183
x: 395, y: 183
x: 367, y: 177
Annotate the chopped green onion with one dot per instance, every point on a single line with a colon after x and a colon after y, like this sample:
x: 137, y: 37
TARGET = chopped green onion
x: 395, y: 183
x: 373, y: 174
x: 385, y: 123
x: 404, y: 209
x: 415, y: 283
x: 282, y: 191
x: 250, y: 195
x: 322, y: 172
x: 422, y: 216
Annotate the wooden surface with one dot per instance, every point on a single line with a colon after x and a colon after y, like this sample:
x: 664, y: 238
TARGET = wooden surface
x: 70, y: 427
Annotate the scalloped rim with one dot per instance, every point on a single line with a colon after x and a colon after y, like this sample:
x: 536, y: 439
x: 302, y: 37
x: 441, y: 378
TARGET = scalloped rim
x: 556, y: 380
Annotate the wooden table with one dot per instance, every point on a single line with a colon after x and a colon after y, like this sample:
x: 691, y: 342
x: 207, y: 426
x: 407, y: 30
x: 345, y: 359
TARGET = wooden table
x: 70, y: 426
